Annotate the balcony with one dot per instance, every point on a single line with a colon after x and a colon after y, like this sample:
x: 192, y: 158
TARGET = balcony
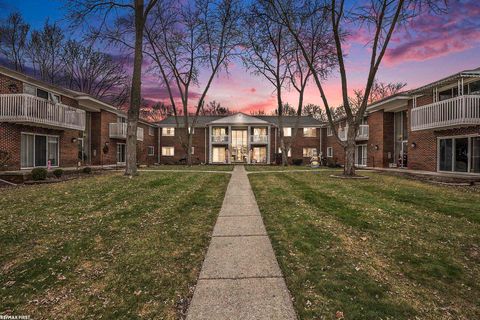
x: 222, y: 138
x: 362, y: 134
x: 118, y: 130
x: 259, y: 138
x: 458, y: 111
x: 25, y: 108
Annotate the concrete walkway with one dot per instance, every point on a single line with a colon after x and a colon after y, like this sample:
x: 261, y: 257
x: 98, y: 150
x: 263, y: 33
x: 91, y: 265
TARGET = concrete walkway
x: 240, y: 278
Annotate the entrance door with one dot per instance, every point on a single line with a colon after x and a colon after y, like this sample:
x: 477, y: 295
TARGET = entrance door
x: 81, y: 150
x: 121, y: 154
x: 361, y: 155
x: 239, y: 145
x: 401, y: 139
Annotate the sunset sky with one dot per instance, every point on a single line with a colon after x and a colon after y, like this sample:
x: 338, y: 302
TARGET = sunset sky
x: 433, y: 47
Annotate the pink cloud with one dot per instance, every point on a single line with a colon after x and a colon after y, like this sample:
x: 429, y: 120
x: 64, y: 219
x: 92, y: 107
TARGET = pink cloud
x: 431, y: 36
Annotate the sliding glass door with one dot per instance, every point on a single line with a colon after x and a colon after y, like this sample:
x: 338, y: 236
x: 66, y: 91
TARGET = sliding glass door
x: 39, y: 150
x: 459, y: 154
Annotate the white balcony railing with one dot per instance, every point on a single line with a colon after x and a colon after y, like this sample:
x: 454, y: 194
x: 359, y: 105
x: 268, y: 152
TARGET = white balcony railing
x: 259, y: 138
x: 458, y: 111
x: 118, y: 130
x: 30, y: 109
x: 362, y: 133
x: 222, y: 138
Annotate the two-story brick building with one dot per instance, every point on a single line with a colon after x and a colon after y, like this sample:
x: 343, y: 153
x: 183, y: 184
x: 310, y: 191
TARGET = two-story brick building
x: 239, y: 138
x: 42, y: 125
x: 435, y: 127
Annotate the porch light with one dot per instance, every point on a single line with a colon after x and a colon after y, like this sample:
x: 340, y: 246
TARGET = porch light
x: 74, y: 140
x: 376, y: 147
x: 413, y: 145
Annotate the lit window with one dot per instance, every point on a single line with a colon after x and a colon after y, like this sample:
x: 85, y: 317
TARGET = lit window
x: 193, y: 150
x: 168, y: 132
x: 309, y: 132
x: 168, y: 151
x: 287, y: 132
x: 329, y: 152
x: 151, y: 150
x: 191, y: 130
x: 309, y: 152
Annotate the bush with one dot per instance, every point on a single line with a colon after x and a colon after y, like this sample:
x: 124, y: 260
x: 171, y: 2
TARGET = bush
x: 58, y: 173
x: 297, y: 162
x: 87, y: 170
x: 39, y: 174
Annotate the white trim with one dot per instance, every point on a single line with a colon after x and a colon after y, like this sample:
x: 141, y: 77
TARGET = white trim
x: 329, y: 154
x: 44, y: 135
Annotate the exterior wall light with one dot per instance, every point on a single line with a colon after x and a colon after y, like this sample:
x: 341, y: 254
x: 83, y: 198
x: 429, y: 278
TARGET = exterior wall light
x: 376, y: 147
x: 413, y: 145
x: 74, y: 140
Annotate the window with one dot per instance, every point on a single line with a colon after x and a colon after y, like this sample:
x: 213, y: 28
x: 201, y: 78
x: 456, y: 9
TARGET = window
x: 309, y: 132
x: 287, y: 132
x: 459, y: 154
x: 121, y: 119
x: 259, y: 155
x: 168, y: 151
x: 309, y: 152
x: 219, y: 155
x: 151, y: 150
x: 121, y: 153
x: 191, y: 130
x: 168, y: 132
x: 193, y: 150
x: 39, y: 151
x: 329, y: 131
x: 474, y: 87
x: 42, y: 94
x: 151, y: 131
x: 289, y: 154
x: 329, y: 152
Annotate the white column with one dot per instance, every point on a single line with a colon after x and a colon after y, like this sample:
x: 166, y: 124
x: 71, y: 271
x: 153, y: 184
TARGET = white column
x: 248, y: 144
x: 209, y: 144
x: 229, y: 144
x: 268, y: 144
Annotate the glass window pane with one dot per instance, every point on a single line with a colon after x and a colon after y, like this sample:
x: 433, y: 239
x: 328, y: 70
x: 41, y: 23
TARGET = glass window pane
x: 475, y: 154
x: 27, y: 151
x: 40, y: 151
x: 461, y: 155
x: 53, y: 151
x: 446, y: 154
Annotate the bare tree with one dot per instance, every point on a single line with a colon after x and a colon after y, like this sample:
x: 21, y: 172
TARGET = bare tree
x: 13, y: 40
x: 314, y: 111
x: 45, y: 51
x: 214, y: 108
x: 184, y: 38
x: 132, y: 15
x: 157, y: 111
x: 93, y: 72
x: 379, y: 18
x: 274, y: 54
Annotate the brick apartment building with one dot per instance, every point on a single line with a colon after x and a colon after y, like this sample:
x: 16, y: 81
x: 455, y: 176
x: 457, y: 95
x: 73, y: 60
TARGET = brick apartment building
x: 435, y: 127
x: 42, y: 125
x: 239, y: 138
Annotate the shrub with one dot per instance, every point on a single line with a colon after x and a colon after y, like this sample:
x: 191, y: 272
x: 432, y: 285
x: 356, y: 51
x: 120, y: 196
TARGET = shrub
x: 39, y: 174
x: 297, y: 162
x: 58, y: 173
x: 87, y: 170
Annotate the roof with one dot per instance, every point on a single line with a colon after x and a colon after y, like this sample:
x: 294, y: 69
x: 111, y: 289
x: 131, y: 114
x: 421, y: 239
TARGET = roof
x: 474, y: 73
x: 391, y: 102
x: 241, y: 118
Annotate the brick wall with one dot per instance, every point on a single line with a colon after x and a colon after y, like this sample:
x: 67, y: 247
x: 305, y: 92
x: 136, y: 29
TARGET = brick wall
x: 10, y: 85
x: 10, y: 141
x: 198, y: 142
x: 142, y: 146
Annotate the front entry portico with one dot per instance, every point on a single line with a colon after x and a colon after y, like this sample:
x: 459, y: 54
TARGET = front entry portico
x: 239, y: 139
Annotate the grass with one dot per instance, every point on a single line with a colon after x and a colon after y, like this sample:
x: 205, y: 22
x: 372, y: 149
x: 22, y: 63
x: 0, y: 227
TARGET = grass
x: 255, y: 168
x: 382, y: 248
x: 220, y: 167
x: 106, y: 246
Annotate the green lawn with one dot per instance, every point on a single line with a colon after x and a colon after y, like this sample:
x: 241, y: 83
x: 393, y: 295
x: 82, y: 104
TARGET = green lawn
x: 382, y: 248
x: 220, y: 167
x: 281, y: 168
x: 106, y: 246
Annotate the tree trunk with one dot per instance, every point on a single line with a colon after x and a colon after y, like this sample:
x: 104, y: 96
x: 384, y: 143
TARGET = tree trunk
x: 349, y: 168
x: 189, y: 149
x: 284, y: 151
x: 135, y: 93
